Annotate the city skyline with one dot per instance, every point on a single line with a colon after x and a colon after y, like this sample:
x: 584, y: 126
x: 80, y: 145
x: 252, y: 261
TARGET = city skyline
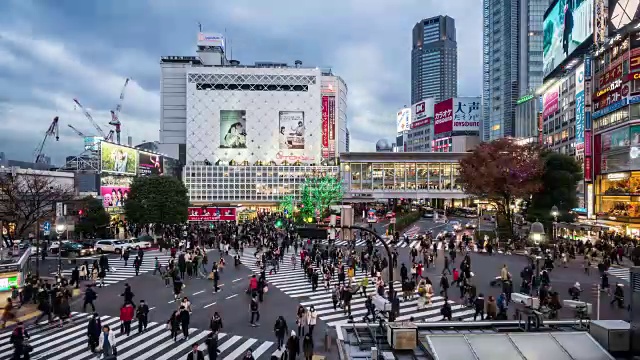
x: 51, y: 54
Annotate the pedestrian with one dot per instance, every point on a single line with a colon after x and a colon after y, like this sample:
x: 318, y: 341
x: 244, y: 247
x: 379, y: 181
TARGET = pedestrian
x: 142, y: 314
x: 280, y: 329
x: 185, y: 318
x: 93, y: 331
x: 301, y: 319
x: 107, y: 343
x: 173, y: 324
x: 89, y: 297
x: 137, y: 262
x: 126, y: 316
x: 307, y: 347
x: 479, y: 307
x: 19, y: 339
x: 293, y: 346
x: 212, y: 345
x: 312, y: 318
x: 195, y: 354
x: 255, y: 312
x: 215, y: 325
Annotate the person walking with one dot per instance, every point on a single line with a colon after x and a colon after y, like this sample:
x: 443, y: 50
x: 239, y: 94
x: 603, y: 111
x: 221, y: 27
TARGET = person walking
x: 255, y: 312
x: 107, y: 343
x: 142, y: 314
x: 312, y: 319
x: 89, y: 297
x: 93, y: 331
x: 185, y: 318
x: 195, y: 354
x: 293, y: 346
x: 212, y: 346
x: 174, y: 324
x: 280, y: 329
x: 126, y: 316
x: 307, y: 347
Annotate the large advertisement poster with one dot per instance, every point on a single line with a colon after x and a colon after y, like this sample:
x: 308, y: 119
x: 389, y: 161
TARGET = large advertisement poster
x: 422, y: 112
x: 117, y: 159
x: 403, y: 120
x: 114, y: 190
x: 212, y: 214
x: 566, y: 26
x: 233, y: 129
x: 291, y: 124
x: 615, y: 139
x: 550, y: 101
x: 443, y: 117
x: 150, y: 164
x: 622, y: 12
x: 580, y: 107
x: 332, y: 125
x: 466, y: 114
x: 325, y: 127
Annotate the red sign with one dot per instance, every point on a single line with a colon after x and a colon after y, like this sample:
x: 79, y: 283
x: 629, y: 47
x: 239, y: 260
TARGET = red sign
x: 540, y: 126
x: 420, y: 123
x: 587, y: 168
x: 443, y: 116
x: 634, y: 63
x: 607, y: 98
x: 212, y: 214
x: 610, y: 76
x: 325, y: 126
x: 587, y: 143
x: 332, y: 125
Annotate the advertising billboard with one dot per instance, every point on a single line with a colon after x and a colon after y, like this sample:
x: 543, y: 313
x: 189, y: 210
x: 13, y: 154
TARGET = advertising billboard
x: 212, y: 214
x: 114, y: 190
x: 550, y: 101
x: 233, y: 129
x: 580, y: 107
x: 566, y: 26
x: 210, y: 39
x: 150, y: 164
x: 614, y: 92
x: 332, y: 125
x: 422, y: 112
x: 291, y: 135
x: 403, y: 120
x: 92, y: 143
x: 443, y: 117
x: 325, y: 126
x: 117, y: 159
x: 466, y: 114
x: 621, y: 13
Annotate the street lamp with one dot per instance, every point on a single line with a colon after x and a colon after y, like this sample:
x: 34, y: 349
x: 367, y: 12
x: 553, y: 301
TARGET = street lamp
x: 60, y: 228
x: 554, y: 213
x: 536, y: 233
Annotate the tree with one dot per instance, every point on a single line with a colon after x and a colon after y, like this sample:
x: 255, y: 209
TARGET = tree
x: 318, y: 193
x: 158, y: 200
x: 560, y: 178
x: 502, y: 171
x: 94, y: 220
x: 287, y: 205
x: 28, y: 197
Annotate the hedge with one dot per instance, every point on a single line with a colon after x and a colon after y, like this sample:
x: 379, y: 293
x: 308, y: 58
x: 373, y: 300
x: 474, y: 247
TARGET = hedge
x: 406, y: 220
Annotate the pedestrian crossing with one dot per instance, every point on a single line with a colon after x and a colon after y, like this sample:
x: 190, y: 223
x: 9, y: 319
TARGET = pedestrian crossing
x: 294, y: 283
x: 119, y: 272
x: 440, y: 245
x: 620, y: 273
x: 70, y: 342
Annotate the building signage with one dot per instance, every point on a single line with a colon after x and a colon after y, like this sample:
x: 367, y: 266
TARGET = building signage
x: 550, y: 101
x: 580, y: 107
x: 634, y: 63
x: 587, y: 67
x: 540, y: 126
x: 589, y: 202
x: 325, y: 126
x: 293, y: 158
x: 332, y: 126
x: 403, y: 120
x: 613, y: 86
x: 610, y: 76
x: 611, y: 97
x: 587, y: 143
x: 210, y: 39
x: 587, y: 168
x: 634, y: 99
x: 524, y: 99
x: 609, y: 108
x: 420, y: 123
x: 422, y: 110
x: 634, y: 76
x: 587, y: 91
x: 212, y: 214
x: 466, y: 114
x: 443, y: 117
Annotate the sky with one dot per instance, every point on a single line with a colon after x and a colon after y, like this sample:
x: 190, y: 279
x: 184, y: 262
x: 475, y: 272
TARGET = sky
x: 54, y: 51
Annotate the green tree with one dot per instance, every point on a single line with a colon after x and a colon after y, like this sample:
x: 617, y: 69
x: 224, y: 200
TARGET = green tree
x: 94, y: 219
x: 502, y: 171
x: 287, y: 205
x: 158, y: 200
x: 318, y: 193
x: 560, y: 179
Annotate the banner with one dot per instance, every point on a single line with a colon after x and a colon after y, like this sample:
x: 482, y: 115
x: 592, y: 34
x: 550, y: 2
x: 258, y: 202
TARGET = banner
x: 332, y: 125
x: 117, y: 159
x: 403, y: 120
x: 114, y: 196
x: 325, y: 126
x: 579, y: 130
x: 212, y: 214
x: 150, y: 164
x: 291, y: 130
x: 443, y: 116
x: 587, y: 168
x: 587, y: 143
x: 550, y: 101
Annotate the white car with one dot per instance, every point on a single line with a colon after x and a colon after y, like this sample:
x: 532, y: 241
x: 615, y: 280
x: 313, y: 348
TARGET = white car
x: 456, y: 225
x: 137, y: 244
x: 113, y: 246
x: 55, y: 246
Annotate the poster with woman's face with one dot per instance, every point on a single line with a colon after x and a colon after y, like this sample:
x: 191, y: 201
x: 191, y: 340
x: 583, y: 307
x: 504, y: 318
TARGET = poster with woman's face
x: 291, y: 125
x: 233, y: 129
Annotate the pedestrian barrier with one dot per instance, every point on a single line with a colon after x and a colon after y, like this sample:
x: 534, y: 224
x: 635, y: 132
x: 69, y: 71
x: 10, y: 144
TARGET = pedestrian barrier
x: 381, y: 303
x: 579, y: 306
x: 527, y: 300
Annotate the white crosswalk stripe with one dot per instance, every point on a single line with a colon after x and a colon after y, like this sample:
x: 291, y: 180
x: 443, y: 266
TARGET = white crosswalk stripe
x: 118, y: 272
x: 294, y: 283
x: 620, y: 273
x: 360, y: 243
x: 70, y: 342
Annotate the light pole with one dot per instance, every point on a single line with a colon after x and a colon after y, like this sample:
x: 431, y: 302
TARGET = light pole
x: 60, y: 228
x: 554, y: 213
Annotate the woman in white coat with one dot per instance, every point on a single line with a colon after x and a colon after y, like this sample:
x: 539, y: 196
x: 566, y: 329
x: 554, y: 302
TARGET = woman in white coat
x: 107, y: 342
x: 312, y: 319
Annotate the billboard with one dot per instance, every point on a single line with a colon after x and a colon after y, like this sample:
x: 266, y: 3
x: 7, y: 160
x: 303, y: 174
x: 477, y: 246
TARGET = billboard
x: 233, y: 129
x: 331, y: 114
x: 580, y: 107
x: 566, y: 26
x: 291, y: 135
x: 422, y: 112
x: 210, y: 39
x: 117, y: 159
x: 212, y: 214
x: 621, y: 13
x: 550, y: 101
x: 92, y: 143
x: 403, y: 120
x: 443, y: 117
x: 325, y: 126
x: 466, y: 114
x: 114, y: 190
x: 150, y: 164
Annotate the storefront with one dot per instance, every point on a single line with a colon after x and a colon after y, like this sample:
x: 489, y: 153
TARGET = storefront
x: 618, y: 200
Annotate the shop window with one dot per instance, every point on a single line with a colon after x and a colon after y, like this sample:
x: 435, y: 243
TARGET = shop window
x: 619, y: 206
x: 616, y: 184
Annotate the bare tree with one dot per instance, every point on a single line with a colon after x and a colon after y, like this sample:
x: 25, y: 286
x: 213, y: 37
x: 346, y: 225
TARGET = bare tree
x: 28, y: 197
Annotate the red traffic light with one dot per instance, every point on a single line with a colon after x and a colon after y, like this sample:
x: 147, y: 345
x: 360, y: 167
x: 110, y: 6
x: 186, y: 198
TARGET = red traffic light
x: 80, y: 212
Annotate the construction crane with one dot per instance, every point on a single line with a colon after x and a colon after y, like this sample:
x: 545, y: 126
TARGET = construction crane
x: 90, y: 118
x: 53, y: 130
x: 109, y: 136
x: 115, y: 114
x: 76, y: 130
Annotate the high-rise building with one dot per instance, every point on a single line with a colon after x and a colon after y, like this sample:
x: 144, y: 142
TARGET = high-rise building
x: 512, y: 60
x: 434, y: 60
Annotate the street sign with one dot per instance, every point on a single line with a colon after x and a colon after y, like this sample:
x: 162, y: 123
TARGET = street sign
x: 46, y: 226
x: 47, y: 233
x: 59, y: 209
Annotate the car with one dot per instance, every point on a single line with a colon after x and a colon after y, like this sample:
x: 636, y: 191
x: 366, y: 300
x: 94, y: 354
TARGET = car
x: 428, y: 213
x: 114, y: 246
x: 448, y: 232
x: 137, y: 244
x: 89, y: 246
x: 456, y: 225
x: 471, y: 225
x: 73, y: 248
x: 54, y: 247
x: 390, y: 215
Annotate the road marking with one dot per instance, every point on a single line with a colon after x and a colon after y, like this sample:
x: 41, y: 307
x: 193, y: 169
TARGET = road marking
x: 151, y: 308
x: 232, y: 296
x: 206, y: 306
x: 237, y: 279
x: 170, y: 302
x: 199, y: 292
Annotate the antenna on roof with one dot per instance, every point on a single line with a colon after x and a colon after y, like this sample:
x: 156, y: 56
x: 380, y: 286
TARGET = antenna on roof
x: 200, y: 26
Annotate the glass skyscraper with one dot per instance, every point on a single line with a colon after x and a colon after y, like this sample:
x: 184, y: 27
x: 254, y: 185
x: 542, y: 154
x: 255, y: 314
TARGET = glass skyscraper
x: 434, y: 60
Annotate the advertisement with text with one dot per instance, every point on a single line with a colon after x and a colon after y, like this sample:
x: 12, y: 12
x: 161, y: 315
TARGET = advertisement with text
x: 117, y: 159
x: 422, y: 111
x: 332, y: 125
x: 550, y: 101
x: 212, y: 214
x: 566, y: 26
x: 325, y: 127
x: 466, y: 114
x: 403, y: 120
x: 621, y: 13
x: 443, y: 117
x: 114, y: 190
x: 291, y: 124
x: 233, y: 129
x: 580, y: 107
x: 150, y: 164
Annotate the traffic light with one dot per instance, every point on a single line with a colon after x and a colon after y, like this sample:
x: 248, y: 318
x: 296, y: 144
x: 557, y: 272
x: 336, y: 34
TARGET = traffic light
x: 80, y: 212
x: 279, y: 223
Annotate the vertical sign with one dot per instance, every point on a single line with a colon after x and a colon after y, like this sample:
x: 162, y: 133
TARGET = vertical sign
x: 325, y: 127
x: 587, y: 168
x: 601, y: 15
x: 540, y: 126
x: 59, y: 209
x: 587, y: 143
x: 331, y: 112
x: 579, y: 107
x: 589, y: 202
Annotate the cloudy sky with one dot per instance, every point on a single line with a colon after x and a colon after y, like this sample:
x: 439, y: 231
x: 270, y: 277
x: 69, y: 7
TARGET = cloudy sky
x: 54, y: 51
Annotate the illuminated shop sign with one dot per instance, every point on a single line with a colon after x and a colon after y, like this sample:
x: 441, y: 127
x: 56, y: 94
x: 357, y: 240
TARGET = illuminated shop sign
x: 617, y: 176
x: 614, y: 85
